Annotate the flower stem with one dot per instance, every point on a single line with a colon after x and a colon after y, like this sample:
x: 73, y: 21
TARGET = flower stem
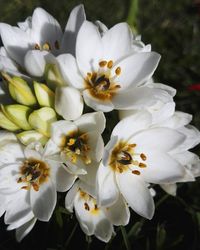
x: 70, y: 236
x: 133, y: 15
x: 125, y: 237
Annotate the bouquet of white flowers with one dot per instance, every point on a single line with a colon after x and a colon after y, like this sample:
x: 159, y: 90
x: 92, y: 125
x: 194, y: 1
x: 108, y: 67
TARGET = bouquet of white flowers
x: 57, y: 89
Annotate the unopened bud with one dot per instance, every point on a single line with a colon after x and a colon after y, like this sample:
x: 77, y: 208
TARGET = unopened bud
x: 30, y: 136
x: 45, y: 95
x: 7, y: 124
x: 42, y: 119
x: 20, y: 90
x: 18, y: 114
x: 53, y: 76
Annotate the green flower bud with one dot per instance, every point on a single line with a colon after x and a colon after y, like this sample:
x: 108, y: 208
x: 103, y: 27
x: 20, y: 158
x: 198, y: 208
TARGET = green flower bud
x: 7, y: 124
x: 18, y: 114
x: 41, y: 120
x: 53, y: 76
x: 20, y: 90
x: 30, y: 136
x: 45, y: 95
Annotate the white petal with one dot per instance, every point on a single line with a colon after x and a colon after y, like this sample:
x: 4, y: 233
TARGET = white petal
x: 3, y: 201
x: 138, y: 98
x: 95, y: 121
x: 83, y: 215
x: 69, y: 199
x: 90, y: 179
x: 136, y: 69
x: 68, y: 103
x: 160, y: 139
x: 76, y: 19
x: 117, y: 42
x: 135, y: 192
x: 169, y: 188
x: 26, y: 24
x: 45, y: 29
x: 132, y: 124
x: 88, y: 48
x: 11, y: 152
x: 51, y: 149
x: 60, y: 129
x: 161, y: 168
x: 103, y: 229
x: 96, y: 145
x: 107, y: 188
x: 43, y: 201
x: 179, y: 119
x: 96, y: 104
x: 118, y: 213
x: 18, y: 208
x: 102, y: 27
x: 69, y: 70
x: 35, y: 62
x: 25, y: 229
x: 16, y: 42
x: 62, y: 179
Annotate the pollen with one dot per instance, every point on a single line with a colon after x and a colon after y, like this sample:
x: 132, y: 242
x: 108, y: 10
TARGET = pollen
x: 136, y: 172
x: 142, y: 165
x: 118, y: 71
x: 102, y: 63
x: 143, y: 157
x: 86, y: 206
x: 71, y: 142
x: 110, y: 64
x: 37, y: 46
x: 34, y: 173
x: 46, y: 46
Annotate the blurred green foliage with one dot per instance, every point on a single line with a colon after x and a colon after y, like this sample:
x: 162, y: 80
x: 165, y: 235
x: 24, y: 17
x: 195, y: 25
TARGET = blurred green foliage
x: 173, y: 29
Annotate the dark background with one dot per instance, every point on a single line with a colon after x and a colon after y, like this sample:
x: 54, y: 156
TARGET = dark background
x: 173, y: 29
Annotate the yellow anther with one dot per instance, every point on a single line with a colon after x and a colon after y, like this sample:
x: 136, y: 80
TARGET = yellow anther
x: 37, y: 46
x: 142, y: 165
x: 110, y: 64
x: 73, y: 158
x: 136, y: 172
x: 46, y: 46
x: 143, y: 157
x: 89, y: 75
x: 132, y: 145
x: 57, y: 45
x: 87, y: 160
x: 78, y: 151
x: 118, y: 71
x: 103, y: 63
x: 71, y: 142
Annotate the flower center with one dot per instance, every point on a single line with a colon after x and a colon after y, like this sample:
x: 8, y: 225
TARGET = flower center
x: 124, y: 157
x: 76, y: 146
x: 102, y: 84
x: 47, y: 46
x: 34, y: 173
x: 90, y: 204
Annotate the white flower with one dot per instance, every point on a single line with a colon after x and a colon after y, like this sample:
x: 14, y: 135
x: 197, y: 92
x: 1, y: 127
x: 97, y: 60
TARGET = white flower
x: 107, y: 71
x: 39, y: 35
x: 80, y: 141
x: 162, y: 109
x: 180, y: 121
x: 93, y: 219
x: 139, y: 153
x: 32, y: 177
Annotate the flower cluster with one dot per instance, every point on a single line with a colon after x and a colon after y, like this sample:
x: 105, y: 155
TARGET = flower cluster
x: 56, y: 91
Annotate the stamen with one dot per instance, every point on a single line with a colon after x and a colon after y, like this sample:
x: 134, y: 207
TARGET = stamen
x: 86, y: 206
x: 143, y: 157
x: 57, y: 45
x: 110, y: 64
x: 71, y: 142
x: 118, y: 71
x: 89, y: 75
x: 132, y: 145
x: 46, y: 46
x: 37, y: 46
x: 95, y: 207
x: 103, y: 63
x: 136, y: 172
x: 142, y: 165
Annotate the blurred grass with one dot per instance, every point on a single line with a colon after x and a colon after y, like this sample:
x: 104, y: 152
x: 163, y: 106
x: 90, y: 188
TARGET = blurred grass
x: 173, y: 29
